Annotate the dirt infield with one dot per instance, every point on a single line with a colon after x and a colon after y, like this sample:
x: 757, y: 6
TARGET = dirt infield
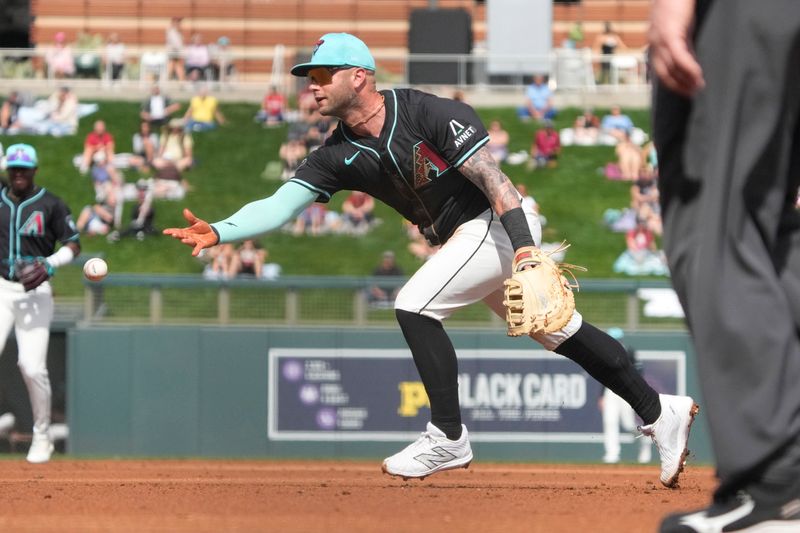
x: 232, y: 496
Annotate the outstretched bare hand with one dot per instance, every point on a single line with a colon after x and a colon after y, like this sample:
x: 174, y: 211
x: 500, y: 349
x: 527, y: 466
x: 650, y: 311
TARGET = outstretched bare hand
x: 199, y: 233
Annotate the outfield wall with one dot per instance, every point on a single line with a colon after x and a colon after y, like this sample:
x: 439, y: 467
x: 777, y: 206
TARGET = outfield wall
x: 338, y: 393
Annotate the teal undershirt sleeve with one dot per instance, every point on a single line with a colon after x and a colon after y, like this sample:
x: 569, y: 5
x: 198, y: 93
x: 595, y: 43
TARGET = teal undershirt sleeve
x: 265, y: 215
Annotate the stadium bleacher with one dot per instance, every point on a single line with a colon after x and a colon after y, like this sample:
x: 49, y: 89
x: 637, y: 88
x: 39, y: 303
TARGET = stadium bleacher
x: 255, y: 27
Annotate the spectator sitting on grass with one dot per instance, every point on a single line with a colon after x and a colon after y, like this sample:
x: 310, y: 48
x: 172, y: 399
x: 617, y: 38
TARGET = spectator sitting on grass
x: 546, y: 147
x: 357, y: 212
x: 142, y: 216
x: 616, y: 124
x: 498, y: 141
x: 157, y: 108
x: 203, y: 113
x: 218, y: 259
x: 99, y: 149
x: 248, y: 260
x: 175, y: 156
x: 316, y: 220
x: 586, y: 128
x: 292, y: 152
x: 175, y: 147
x: 273, y: 108
x: 629, y: 158
x: 62, y: 118
x: 145, y: 147
x: 96, y: 219
x: 538, y: 101
x: 641, y: 256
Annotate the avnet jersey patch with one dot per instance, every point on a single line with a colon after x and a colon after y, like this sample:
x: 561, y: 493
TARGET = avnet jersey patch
x: 461, y: 133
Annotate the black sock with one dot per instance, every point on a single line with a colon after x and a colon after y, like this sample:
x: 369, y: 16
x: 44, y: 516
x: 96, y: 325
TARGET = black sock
x: 437, y: 365
x: 606, y: 360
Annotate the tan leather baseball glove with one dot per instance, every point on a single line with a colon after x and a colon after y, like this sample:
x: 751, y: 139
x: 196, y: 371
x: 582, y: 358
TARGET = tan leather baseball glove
x: 539, y: 299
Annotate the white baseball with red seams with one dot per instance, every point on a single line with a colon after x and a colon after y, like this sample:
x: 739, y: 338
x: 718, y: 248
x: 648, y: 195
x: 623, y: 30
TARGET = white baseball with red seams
x: 95, y: 269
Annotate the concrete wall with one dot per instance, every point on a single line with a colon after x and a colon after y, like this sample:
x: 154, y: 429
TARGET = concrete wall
x: 189, y: 391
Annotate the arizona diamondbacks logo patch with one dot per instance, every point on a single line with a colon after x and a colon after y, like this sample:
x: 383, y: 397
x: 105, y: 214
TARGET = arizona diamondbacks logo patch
x: 34, y: 226
x: 427, y: 164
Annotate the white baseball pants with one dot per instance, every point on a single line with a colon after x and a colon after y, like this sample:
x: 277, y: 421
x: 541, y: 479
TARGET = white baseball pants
x: 30, y: 313
x: 472, y: 266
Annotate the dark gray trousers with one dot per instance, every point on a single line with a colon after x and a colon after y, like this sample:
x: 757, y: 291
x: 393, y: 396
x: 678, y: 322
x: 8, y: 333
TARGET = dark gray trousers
x: 729, y: 177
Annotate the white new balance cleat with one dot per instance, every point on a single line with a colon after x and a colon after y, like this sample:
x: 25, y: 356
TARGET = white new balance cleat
x: 432, y: 452
x: 670, y: 433
x: 41, y: 449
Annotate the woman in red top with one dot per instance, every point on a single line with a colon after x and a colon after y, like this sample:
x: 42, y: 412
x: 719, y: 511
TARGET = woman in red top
x: 98, y: 148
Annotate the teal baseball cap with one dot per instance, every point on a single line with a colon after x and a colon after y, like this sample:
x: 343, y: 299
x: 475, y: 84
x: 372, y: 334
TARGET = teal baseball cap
x: 337, y: 50
x: 21, y: 156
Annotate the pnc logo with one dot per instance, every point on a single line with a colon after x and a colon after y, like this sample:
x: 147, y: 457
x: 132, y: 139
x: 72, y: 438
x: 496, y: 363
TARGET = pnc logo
x: 412, y: 398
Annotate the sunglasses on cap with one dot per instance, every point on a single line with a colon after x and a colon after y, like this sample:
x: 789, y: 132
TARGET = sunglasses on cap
x: 324, y: 75
x: 334, y: 70
x: 19, y: 156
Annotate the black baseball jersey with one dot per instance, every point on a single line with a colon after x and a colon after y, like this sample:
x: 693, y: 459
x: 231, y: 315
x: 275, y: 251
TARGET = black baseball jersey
x: 412, y: 166
x: 32, y: 227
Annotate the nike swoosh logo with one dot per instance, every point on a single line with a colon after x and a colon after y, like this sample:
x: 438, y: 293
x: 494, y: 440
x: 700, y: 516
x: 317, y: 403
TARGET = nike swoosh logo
x: 701, y: 522
x: 349, y: 160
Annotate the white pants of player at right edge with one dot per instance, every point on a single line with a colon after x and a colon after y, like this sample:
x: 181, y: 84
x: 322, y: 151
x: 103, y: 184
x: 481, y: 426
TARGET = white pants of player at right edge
x: 30, y: 314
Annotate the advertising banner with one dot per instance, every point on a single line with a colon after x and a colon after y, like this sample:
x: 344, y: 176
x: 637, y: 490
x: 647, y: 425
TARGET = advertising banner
x: 505, y: 395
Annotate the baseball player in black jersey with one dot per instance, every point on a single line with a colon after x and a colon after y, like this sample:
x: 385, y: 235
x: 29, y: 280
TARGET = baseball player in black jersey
x: 32, y: 221
x: 427, y: 158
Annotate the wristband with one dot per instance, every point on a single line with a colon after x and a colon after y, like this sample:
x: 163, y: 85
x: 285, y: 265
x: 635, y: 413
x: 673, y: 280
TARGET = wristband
x: 63, y: 256
x: 215, y: 233
x: 516, y: 225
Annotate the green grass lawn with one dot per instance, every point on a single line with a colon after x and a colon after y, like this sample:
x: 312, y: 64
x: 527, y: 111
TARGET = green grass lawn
x: 228, y: 174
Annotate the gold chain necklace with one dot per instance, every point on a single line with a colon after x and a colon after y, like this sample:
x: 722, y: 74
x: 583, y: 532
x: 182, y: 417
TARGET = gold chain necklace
x: 370, y: 116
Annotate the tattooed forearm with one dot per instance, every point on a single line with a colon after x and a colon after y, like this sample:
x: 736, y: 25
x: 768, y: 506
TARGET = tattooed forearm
x: 482, y: 170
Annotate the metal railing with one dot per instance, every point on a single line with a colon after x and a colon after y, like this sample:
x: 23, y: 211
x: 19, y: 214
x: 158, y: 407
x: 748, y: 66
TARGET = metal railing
x: 298, y: 300
x: 569, y: 69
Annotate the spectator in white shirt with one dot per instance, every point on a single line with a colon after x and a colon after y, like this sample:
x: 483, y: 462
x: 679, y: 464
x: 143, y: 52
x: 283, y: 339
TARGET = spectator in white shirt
x: 157, y: 109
